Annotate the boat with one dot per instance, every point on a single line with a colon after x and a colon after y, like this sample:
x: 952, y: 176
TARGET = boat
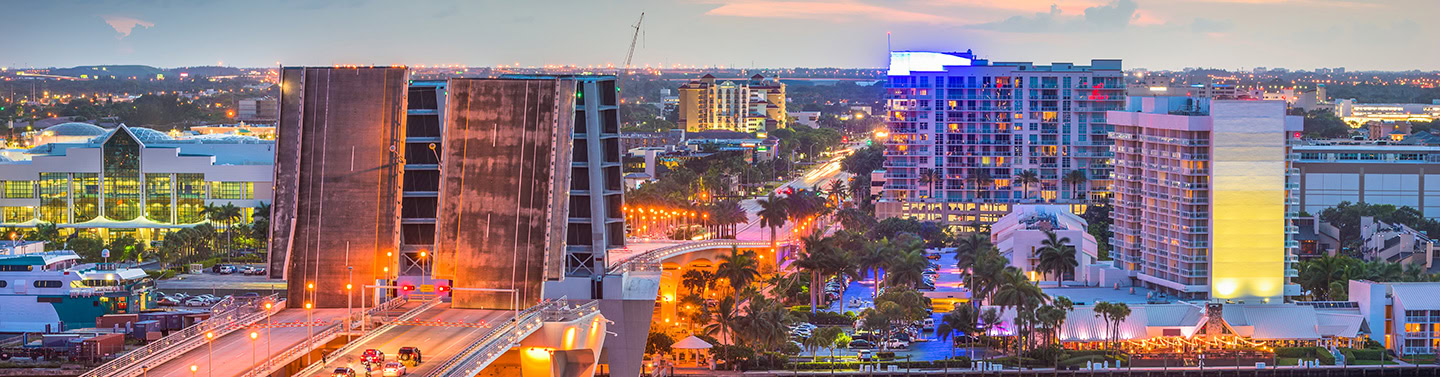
x: 51, y: 291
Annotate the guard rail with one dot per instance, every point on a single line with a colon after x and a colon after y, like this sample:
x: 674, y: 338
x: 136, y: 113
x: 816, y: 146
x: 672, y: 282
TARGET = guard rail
x: 164, y: 347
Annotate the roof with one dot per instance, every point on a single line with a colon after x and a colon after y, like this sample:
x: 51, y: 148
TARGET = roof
x: 76, y: 129
x: 1417, y: 296
x: 691, y: 343
x: 1278, y: 321
x: 1338, y: 324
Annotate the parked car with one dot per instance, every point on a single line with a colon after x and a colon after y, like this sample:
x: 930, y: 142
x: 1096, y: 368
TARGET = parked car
x: 411, y: 354
x: 226, y: 270
x: 196, y: 302
x: 897, y: 344
x: 256, y: 271
x: 216, y: 268
x: 863, y: 355
x: 393, y: 369
x: 861, y: 343
x: 167, y: 301
x: 343, y: 372
x: 929, y: 324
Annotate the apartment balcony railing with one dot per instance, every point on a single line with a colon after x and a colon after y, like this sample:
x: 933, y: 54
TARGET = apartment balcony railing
x: 1422, y: 319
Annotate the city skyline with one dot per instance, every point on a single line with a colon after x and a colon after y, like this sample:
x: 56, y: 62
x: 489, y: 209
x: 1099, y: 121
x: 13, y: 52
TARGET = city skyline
x: 1227, y: 34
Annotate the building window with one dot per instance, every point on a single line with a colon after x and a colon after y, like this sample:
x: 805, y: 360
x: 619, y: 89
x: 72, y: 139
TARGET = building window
x: 122, y: 177
x: 54, y: 197
x: 85, y: 191
x: 189, y: 198
x: 19, y: 189
x: 17, y: 214
x: 232, y: 190
x: 158, y: 192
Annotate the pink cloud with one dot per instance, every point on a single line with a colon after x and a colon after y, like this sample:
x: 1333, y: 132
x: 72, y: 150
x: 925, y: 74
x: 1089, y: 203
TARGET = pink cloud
x: 821, y: 10
x: 124, y: 25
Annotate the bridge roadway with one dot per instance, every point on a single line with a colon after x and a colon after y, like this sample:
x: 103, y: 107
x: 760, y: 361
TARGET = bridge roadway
x: 436, y: 334
x: 232, y: 351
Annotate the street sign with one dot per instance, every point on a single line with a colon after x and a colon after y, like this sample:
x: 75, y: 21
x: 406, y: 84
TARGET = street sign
x: 427, y: 288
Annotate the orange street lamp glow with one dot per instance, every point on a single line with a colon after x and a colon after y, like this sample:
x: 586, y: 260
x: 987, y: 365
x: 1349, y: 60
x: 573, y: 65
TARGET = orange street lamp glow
x: 254, y: 335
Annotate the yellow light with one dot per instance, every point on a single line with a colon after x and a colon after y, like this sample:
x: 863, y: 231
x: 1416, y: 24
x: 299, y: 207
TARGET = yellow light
x: 348, y: 286
x: 254, y: 335
x: 209, y: 335
x: 310, y: 285
x: 194, y: 368
x: 309, y: 306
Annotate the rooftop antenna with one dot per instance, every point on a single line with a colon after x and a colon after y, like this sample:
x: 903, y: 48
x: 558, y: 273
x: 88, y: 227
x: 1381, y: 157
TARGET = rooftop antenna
x: 888, y: 49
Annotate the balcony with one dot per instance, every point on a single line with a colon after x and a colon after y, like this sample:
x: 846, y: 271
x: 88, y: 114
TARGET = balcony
x: 1292, y: 273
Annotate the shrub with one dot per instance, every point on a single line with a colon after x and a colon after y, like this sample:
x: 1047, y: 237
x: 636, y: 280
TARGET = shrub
x: 957, y: 362
x: 1307, y: 353
x: 886, y: 355
x: 1364, y: 354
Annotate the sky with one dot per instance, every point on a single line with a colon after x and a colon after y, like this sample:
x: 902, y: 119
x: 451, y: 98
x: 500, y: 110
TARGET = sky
x: 1153, y: 34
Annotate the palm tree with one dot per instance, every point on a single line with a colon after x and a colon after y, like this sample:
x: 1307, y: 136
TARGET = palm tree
x: 967, y: 248
x: 1016, y: 291
x: 1057, y: 255
x: 772, y: 215
x: 695, y: 279
x: 875, y: 256
x: 726, y: 318
x: 982, y: 179
x: 1075, y: 178
x: 814, y: 261
x: 962, y: 320
x: 1025, y: 178
x: 1113, y: 314
x: 907, y: 269
x: 740, y: 268
x: 930, y: 177
x: 837, y: 192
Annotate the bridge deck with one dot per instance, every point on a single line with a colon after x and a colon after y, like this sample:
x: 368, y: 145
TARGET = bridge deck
x: 440, y: 334
x: 232, y: 351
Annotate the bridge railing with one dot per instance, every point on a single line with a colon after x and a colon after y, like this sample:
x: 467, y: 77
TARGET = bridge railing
x: 315, y: 368
x: 650, y: 260
x: 476, y: 355
x: 231, y: 317
x: 283, y: 358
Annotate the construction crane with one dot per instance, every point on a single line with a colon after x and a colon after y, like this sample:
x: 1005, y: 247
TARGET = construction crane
x: 635, y: 38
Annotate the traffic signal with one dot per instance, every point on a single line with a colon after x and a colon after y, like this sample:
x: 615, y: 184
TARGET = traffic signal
x: 442, y: 288
x: 407, y: 287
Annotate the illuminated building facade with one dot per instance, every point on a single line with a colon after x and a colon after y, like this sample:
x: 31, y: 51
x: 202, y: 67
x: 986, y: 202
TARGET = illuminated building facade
x: 754, y: 105
x: 131, y: 181
x: 961, y: 129
x: 1405, y: 317
x: 1360, y: 113
x: 1203, y: 197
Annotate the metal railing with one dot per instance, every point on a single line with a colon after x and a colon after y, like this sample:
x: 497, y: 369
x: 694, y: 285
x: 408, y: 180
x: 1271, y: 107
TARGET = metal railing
x: 479, y: 354
x: 281, y: 359
x: 312, y: 369
x: 228, y: 318
x: 654, y: 257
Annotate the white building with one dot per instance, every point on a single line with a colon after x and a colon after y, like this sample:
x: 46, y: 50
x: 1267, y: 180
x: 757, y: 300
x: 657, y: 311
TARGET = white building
x: 134, y: 181
x: 1020, y: 234
x: 1403, y: 316
x: 1359, y: 113
x: 807, y: 118
x: 1203, y: 198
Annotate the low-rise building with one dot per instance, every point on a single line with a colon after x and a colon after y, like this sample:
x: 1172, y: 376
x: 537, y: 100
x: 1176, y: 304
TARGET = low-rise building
x: 1360, y: 113
x: 1021, y: 235
x: 134, y: 181
x: 1403, y: 316
x: 1395, y: 243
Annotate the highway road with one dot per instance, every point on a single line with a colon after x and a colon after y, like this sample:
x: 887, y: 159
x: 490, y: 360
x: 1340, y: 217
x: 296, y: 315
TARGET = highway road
x: 817, y: 178
x: 437, y: 343
x: 232, y: 351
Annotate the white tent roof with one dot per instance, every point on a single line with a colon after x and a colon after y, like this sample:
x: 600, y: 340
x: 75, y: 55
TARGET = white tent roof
x: 691, y: 343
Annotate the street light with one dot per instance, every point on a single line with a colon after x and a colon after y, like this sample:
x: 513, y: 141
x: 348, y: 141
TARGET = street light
x: 210, y: 360
x: 269, y: 325
x: 193, y: 368
x: 253, y: 335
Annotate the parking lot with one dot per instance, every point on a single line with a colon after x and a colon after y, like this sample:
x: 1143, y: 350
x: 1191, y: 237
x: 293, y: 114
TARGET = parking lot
x: 221, y: 284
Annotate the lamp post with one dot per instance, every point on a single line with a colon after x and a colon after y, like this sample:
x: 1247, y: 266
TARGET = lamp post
x: 349, y: 299
x: 310, y: 341
x: 193, y: 368
x: 210, y: 359
x: 269, y: 326
x: 253, y: 335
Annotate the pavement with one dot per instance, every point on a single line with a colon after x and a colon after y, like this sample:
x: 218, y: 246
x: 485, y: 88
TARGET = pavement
x: 232, y: 352
x: 436, y: 343
x: 209, y: 282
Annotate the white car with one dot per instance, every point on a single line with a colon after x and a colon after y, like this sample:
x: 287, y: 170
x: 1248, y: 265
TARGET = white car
x: 897, y: 344
x: 393, y: 369
x: 929, y: 324
x: 196, y: 302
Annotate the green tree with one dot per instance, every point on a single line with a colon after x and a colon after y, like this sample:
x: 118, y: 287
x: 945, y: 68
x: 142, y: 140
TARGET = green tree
x: 1076, y: 179
x: 1025, y: 178
x: 772, y: 215
x: 740, y: 268
x: 1057, y: 256
x: 658, y: 342
x: 907, y: 269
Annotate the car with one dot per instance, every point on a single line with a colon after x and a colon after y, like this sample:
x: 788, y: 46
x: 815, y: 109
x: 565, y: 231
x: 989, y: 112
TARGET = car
x: 167, y: 301
x: 256, y: 271
x: 216, y: 268
x: 897, y: 344
x: 861, y: 343
x: 196, y: 302
x: 393, y: 369
x: 226, y: 270
x: 343, y: 372
x: 372, y: 356
x: 411, y: 354
x: 929, y: 324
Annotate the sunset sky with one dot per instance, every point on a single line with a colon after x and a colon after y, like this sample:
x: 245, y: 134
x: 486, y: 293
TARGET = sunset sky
x: 1155, y: 34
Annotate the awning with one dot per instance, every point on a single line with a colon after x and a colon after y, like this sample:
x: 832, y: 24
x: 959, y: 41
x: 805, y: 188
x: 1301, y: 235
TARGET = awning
x: 691, y: 343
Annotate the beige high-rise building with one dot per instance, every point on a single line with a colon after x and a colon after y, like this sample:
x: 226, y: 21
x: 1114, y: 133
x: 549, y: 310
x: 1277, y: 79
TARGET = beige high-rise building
x: 755, y: 105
